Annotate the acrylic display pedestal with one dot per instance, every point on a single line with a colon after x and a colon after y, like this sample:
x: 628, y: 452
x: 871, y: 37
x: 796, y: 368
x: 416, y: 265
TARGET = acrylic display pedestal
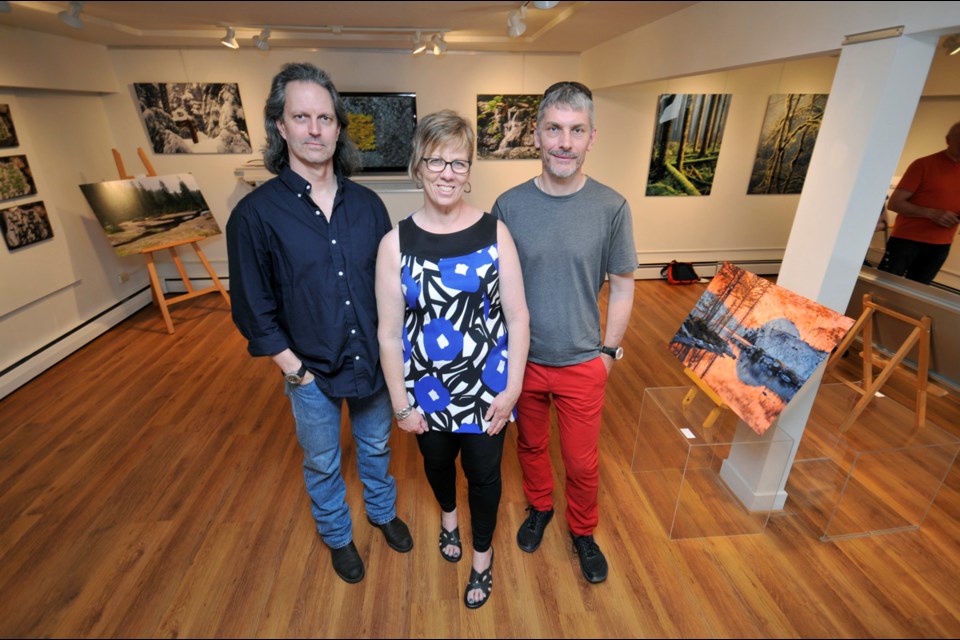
x: 880, y: 476
x: 685, y: 468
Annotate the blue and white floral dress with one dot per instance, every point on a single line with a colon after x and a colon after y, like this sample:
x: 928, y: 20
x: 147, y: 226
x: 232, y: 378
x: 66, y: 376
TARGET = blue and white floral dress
x: 455, y: 338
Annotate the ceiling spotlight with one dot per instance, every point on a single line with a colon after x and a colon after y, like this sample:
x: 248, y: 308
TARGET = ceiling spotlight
x: 261, y: 40
x: 439, y: 45
x: 230, y: 40
x: 419, y: 46
x: 71, y: 17
x: 515, y: 24
x: 545, y: 5
x: 952, y: 44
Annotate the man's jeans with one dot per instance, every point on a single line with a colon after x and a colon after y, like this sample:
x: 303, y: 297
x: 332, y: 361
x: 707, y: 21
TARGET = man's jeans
x: 318, y: 431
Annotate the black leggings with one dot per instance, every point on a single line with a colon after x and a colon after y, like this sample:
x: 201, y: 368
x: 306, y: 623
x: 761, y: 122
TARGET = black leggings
x: 480, y: 458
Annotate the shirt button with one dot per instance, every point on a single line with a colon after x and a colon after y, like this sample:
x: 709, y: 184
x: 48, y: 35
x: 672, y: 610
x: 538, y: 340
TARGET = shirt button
x: 308, y: 187
x: 348, y: 302
x: 299, y: 195
x: 356, y: 357
x: 340, y: 273
x: 333, y: 242
x: 317, y: 212
x: 353, y: 331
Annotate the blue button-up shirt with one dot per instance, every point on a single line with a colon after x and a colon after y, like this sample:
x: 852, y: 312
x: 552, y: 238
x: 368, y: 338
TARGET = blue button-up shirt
x: 301, y: 282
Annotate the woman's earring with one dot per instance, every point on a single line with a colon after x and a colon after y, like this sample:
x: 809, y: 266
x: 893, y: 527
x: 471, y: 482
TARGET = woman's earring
x: 467, y: 188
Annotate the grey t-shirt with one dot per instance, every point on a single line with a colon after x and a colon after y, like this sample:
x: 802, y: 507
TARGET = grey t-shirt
x: 567, y: 246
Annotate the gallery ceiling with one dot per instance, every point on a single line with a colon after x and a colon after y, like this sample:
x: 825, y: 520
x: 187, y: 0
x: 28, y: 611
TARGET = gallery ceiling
x: 568, y: 27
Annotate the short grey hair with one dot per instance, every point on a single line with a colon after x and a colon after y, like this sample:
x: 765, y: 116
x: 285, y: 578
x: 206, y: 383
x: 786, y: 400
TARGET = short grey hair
x: 572, y: 95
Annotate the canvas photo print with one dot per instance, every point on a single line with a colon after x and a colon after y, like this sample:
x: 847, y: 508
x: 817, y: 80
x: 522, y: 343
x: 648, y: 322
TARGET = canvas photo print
x: 193, y: 117
x: 382, y: 126
x: 790, y: 129
x: 686, y: 143
x: 16, y: 179
x: 755, y: 343
x: 8, y: 134
x: 25, y: 224
x: 505, y: 126
x: 151, y: 211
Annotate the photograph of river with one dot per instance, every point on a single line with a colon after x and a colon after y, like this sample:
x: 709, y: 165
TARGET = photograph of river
x: 150, y: 211
x: 755, y: 343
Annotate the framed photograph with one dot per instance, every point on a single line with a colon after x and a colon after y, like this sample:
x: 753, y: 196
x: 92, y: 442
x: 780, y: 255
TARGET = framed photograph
x: 382, y: 126
x: 755, y: 343
x: 8, y: 134
x: 150, y: 211
x: 790, y: 129
x: 25, y: 224
x: 193, y: 117
x: 686, y: 143
x: 16, y: 179
x: 505, y: 126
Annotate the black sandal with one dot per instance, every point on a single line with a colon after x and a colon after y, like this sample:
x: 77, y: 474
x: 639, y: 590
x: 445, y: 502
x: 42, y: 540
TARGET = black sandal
x: 482, y: 581
x: 450, y: 539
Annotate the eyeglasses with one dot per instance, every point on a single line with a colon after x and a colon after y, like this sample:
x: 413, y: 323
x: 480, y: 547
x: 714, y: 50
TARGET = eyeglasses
x: 582, y: 88
x: 437, y: 165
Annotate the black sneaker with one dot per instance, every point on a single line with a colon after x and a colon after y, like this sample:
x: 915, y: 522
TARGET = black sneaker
x: 592, y: 562
x: 347, y: 563
x: 531, y: 531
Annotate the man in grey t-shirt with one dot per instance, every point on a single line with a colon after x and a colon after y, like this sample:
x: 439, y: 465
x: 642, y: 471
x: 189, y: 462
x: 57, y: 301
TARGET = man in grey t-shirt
x: 571, y: 233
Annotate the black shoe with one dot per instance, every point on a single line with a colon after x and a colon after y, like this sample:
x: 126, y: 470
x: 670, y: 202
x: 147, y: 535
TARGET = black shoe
x: 531, y: 531
x: 592, y: 562
x: 396, y: 533
x: 347, y: 563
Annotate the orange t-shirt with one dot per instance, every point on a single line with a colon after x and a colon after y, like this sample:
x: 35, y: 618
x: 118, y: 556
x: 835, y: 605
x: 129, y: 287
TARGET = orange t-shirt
x: 935, y: 182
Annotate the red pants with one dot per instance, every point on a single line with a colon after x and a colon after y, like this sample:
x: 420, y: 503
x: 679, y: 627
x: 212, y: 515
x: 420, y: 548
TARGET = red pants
x: 577, y: 392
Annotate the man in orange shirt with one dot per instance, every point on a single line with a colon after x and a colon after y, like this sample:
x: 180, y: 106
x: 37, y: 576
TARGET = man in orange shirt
x: 927, y: 204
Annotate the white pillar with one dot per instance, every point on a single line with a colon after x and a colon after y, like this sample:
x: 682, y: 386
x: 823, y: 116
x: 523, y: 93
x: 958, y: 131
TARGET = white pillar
x: 871, y: 106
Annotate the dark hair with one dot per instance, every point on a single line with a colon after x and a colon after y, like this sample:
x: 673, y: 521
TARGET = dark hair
x: 434, y: 131
x: 571, y: 94
x: 346, y: 158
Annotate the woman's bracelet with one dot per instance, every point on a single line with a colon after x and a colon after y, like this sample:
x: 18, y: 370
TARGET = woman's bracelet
x: 403, y: 413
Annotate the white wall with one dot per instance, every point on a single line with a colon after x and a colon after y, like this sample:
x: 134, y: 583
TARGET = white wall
x: 728, y: 224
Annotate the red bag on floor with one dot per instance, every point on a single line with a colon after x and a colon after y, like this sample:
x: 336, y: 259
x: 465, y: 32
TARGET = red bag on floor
x: 679, y: 273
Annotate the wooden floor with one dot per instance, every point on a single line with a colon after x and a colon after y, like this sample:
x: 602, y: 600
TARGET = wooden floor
x: 150, y: 486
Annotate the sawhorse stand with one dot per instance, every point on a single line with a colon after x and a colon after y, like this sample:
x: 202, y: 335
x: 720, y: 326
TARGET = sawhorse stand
x: 158, y: 296
x: 920, y: 336
x: 720, y: 407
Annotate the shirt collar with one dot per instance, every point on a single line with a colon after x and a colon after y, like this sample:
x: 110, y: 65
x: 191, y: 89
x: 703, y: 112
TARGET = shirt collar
x: 299, y: 185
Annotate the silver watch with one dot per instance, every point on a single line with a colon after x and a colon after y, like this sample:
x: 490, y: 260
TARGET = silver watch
x: 614, y: 352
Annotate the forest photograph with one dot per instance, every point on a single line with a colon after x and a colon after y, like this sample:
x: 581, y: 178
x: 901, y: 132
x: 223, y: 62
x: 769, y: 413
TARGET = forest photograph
x: 505, y: 126
x: 193, y: 117
x: 789, y: 131
x: 8, y: 133
x: 686, y: 143
x: 25, y: 224
x: 150, y: 211
x: 16, y: 178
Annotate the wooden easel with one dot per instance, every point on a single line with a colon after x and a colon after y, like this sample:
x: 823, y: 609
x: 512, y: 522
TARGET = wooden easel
x: 864, y: 324
x: 720, y: 407
x: 158, y: 296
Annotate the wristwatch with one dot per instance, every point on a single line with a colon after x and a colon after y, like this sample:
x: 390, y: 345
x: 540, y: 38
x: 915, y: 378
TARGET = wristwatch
x: 614, y: 352
x: 296, y: 377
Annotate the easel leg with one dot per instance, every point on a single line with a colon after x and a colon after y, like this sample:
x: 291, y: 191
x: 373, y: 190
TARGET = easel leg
x: 213, y: 274
x: 158, y: 292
